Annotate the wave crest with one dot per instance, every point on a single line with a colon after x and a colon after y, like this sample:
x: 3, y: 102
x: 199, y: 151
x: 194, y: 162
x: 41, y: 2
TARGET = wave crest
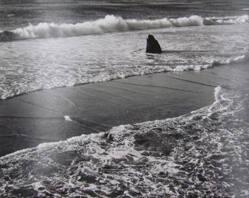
x: 111, y: 23
x: 108, y: 24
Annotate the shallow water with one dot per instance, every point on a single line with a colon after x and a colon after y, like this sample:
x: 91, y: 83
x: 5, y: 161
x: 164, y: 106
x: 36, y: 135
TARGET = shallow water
x: 203, y: 153
x: 30, y: 65
x: 70, y: 43
x: 15, y: 14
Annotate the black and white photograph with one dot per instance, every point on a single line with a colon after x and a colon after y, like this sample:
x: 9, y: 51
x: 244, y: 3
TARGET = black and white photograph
x: 124, y: 98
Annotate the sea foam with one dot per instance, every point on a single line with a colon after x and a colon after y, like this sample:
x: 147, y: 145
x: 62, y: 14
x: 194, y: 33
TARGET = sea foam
x: 188, y: 155
x: 111, y: 23
x: 108, y: 24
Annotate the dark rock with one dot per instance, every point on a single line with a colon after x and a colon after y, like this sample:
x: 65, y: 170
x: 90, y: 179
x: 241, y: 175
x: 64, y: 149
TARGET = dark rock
x: 153, y: 45
x: 8, y: 36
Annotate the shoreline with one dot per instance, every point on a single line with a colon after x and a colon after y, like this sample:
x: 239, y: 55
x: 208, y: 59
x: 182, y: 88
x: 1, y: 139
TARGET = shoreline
x: 196, y: 147
x: 61, y: 113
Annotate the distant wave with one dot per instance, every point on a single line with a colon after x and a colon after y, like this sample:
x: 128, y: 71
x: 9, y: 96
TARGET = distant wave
x: 226, y: 20
x: 110, y: 24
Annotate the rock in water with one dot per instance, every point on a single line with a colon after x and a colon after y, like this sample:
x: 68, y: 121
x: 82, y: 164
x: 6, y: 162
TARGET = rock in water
x: 153, y: 45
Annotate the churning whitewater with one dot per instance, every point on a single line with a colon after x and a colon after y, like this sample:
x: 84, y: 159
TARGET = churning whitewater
x: 37, y: 64
x: 199, y: 154
x: 49, y: 44
x: 111, y: 24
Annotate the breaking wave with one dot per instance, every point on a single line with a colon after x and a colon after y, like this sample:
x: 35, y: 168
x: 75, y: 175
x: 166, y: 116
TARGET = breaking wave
x: 110, y: 24
x: 7, y: 92
x: 190, y: 155
x: 210, y: 64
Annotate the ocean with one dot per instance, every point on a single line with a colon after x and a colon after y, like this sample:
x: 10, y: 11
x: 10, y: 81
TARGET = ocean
x: 67, y: 43
x: 108, y: 43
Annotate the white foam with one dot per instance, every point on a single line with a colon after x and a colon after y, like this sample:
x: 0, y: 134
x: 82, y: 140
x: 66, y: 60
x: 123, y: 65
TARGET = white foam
x: 227, y: 20
x: 67, y: 118
x: 211, y: 63
x: 227, y: 61
x: 111, y: 23
x: 117, y: 162
x: 108, y: 24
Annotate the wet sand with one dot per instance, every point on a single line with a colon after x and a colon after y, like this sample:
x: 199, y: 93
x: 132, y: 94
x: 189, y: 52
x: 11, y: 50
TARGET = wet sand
x: 27, y: 120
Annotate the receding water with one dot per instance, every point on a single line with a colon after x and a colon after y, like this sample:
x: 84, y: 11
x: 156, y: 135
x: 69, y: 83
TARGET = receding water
x: 65, y: 43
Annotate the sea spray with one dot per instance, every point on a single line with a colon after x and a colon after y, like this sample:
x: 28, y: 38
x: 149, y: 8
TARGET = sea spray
x: 108, y: 24
x: 111, y: 23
